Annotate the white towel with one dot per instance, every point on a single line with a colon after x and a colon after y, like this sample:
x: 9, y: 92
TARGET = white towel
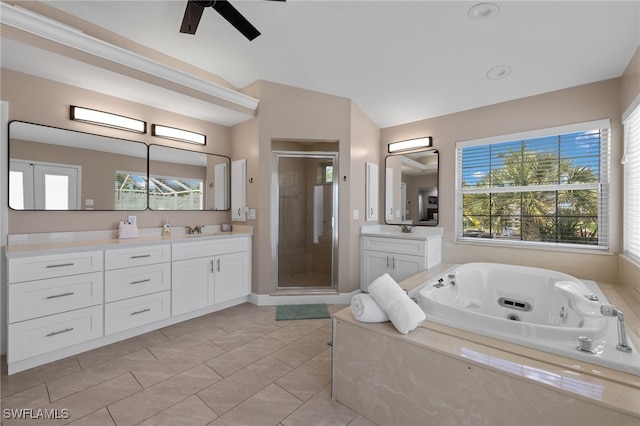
x: 366, y: 309
x: 403, y: 312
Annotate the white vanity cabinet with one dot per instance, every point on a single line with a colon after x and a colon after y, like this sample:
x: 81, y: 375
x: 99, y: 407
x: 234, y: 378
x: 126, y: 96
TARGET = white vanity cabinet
x: 137, y: 287
x: 94, y: 295
x: 399, y: 257
x: 55, y: 301
x: 211, y: 272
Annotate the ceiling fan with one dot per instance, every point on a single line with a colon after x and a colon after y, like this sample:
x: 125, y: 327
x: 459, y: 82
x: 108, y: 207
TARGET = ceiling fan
x: 193, y: 13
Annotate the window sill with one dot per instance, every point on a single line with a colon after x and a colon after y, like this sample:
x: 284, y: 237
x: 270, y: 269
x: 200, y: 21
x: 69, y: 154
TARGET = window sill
x: 491, y: 242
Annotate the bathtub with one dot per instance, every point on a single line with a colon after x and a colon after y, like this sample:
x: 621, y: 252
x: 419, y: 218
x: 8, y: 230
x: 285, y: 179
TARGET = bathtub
x: 532, y: 307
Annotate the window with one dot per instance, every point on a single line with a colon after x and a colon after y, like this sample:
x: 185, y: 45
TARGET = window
x: 175, y: 193
x: 547, y: 187
x: 631, y: 165
x: 131, y: 191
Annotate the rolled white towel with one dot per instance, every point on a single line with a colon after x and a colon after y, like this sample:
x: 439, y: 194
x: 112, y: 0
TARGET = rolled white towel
x: 403, y: 312
x: 366, y: 309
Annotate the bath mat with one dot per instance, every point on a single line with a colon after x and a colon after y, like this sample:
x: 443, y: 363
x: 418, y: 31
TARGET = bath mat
x: 298, y: 312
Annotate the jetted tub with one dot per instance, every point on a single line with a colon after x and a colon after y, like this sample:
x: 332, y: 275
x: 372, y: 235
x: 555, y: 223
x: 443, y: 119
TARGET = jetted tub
x: 533, y: 307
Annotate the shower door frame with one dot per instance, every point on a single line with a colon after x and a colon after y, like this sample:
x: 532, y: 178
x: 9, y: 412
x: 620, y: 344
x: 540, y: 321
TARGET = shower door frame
x: 275, y: 215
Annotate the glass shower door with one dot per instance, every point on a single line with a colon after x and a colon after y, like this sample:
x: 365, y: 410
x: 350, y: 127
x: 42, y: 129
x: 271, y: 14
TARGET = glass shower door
x: 306, y: 210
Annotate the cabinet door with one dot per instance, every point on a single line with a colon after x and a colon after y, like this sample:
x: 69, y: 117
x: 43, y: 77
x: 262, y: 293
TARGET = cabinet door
x: 405, y: 266
x: 388, y: 203
x: 192, y: 285
x: 238, y: 190
x: 231, y: 276
x: 372, y: 192
x: 374, y: 264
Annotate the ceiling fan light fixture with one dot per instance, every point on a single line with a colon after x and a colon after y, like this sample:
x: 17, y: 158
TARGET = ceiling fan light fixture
x: 483, y: 11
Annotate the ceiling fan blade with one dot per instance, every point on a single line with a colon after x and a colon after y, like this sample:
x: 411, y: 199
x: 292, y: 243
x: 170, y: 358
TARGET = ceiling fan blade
x: 191, y: 19
x: 236, y: 19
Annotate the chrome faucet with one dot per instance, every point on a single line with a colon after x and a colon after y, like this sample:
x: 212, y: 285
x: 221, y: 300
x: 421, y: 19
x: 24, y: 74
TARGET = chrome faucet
x: 406, y: 229
x: 194, y: 230
x: 611, y: 311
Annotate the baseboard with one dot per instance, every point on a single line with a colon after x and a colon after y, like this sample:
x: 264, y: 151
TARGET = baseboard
x: 330, y: 299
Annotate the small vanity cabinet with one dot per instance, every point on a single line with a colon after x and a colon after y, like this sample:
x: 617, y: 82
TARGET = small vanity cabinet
x: 54, y: 301
x: 401, y: 255
x: 137, y: 286
x: 209, y: 272
x: 91, y: 295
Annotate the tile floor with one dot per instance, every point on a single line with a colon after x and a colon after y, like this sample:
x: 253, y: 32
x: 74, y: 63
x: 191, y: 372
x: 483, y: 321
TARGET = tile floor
x: 238, y: 366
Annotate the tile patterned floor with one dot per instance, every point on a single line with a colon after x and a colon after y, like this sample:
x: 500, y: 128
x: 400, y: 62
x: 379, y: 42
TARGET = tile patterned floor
x: 238, y: 366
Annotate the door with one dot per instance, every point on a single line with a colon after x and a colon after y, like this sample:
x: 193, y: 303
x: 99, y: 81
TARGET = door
x: 192, y: 285
x: 374, y: 264
x: 304, y: 219
x: 405, y: 266
x: 372, y: 193
x: 231, y: 277
x: 44, y: 186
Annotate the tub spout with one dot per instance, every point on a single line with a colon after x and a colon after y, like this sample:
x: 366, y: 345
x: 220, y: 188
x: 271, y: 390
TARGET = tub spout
x: 611, y: 311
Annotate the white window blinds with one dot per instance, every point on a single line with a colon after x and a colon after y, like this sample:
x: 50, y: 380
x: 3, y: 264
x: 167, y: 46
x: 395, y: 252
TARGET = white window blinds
x: 547, y: 187
x: 631, y: 164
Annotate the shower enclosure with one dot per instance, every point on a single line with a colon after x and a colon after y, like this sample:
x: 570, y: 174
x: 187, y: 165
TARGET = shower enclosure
x: 304, y: 213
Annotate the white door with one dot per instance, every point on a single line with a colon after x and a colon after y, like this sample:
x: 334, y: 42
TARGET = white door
x: 231, y: 276
x: 405, y: 266
x: 238, y: 190
x: 374, y: 264
x: 21, y: 185
x: 192, y: 285
x: 220, y: 185
x: 388, y: 205
x: 372, y: 193
x: 44, y: 186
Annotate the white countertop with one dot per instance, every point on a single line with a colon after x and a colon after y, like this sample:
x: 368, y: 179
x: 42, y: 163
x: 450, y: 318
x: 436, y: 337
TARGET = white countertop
x: 42, y: 244
x: 394, y: 231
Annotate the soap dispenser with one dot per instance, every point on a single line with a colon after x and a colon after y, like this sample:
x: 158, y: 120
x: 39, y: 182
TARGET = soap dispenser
x: 166, y: 228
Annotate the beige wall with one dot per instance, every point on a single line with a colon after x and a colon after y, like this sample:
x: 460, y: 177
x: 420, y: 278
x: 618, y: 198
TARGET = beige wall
x: 574, y: 105
x: 292, y: 114
x: 46, y: 102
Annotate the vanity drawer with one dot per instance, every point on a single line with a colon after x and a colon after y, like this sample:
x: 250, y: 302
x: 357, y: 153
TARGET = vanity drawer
x: 137, y: 256
x: 132, y: 282
x: 191, y: 250
x: 395, y: 245
x: 38, y: 336
x: 50, y: 266
x: 35, y: 299
x: 130, y: 313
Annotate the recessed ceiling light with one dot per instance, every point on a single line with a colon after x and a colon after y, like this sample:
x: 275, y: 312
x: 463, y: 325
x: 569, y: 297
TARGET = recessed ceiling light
x: 499, y: 72
x: 483, y: 11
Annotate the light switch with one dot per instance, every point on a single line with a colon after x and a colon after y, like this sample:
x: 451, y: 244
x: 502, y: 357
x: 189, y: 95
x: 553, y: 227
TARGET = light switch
x: 356, y: 214
x: 251, y: 214
x: 88, y: 202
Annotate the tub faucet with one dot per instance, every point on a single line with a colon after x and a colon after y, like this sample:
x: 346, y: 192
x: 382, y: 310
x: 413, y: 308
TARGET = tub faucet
x: 611, y: 311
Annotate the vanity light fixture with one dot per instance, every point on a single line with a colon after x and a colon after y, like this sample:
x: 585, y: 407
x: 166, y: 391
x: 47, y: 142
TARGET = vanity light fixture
x: 178, y: 134
x: 410, y: 144
x: 107, y: 119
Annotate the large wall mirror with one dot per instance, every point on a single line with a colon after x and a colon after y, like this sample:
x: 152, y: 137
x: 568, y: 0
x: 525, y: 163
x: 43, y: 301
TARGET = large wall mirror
x: 59, y: 169
x: 187, y: 180
x: 411, y: 188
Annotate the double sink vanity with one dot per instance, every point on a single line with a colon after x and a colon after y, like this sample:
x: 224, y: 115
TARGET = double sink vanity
x: 68, y: 296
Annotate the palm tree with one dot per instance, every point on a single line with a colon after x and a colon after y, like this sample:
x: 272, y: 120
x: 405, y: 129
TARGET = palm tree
x: 557, y: 215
